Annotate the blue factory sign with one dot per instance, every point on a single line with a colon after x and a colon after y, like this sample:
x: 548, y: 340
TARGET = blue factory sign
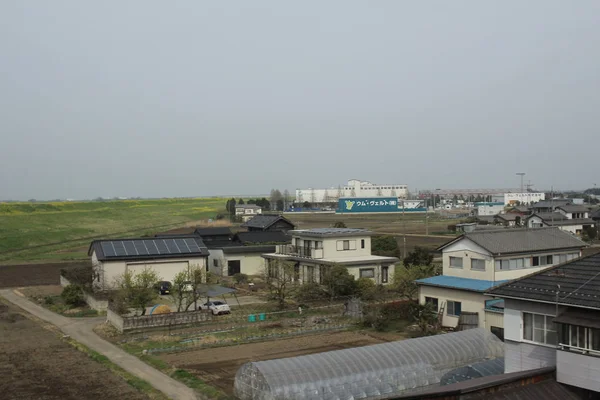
x: 376, y: 204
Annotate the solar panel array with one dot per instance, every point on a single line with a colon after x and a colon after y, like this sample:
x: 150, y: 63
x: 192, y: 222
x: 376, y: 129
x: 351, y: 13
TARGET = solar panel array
x: 150, y: 247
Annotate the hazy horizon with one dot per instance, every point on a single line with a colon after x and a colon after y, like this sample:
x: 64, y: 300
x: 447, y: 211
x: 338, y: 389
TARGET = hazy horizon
x: 155, y: 99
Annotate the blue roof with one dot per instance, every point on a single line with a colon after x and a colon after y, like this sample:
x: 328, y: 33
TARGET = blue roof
x: 454, y: 282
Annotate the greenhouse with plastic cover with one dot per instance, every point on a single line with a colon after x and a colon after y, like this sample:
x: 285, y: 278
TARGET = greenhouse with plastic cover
x: 371, y: 372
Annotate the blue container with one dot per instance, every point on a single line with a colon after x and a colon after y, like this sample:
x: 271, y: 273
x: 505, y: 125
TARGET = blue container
x: 251, y: 318
x: 262, y: 317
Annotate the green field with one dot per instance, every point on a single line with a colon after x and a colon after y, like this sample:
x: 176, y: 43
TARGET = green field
x: 63, y: 230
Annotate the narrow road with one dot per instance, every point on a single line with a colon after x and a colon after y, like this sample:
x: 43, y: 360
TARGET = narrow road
x: 81, y: 330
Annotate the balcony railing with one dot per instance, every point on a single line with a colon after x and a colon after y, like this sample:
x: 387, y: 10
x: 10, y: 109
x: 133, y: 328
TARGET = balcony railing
x: 297, y: 251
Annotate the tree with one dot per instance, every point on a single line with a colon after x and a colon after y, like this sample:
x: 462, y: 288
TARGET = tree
x: 404, y: 279
x: 280, y: 205
x: 590, y: 233
x: 306, y: 204
x: 186, y: 287
x: 286, y: 199
x: 385, y: 246
x: 231, y: 206
x: 72, y: 295
x: 138, y: 289
x: 419, y: 256
x: 276, y: 197
x: 240, y: 203
x: 455, y: 199
x: 424, y: 316
x: 279, y: 277
x: 338, y: 282
x: 339, y: 224
x: 366, y: 288
x: 518, y: 220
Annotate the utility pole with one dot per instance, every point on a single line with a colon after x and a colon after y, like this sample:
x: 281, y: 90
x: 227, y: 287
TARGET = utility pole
x: 426, y: 218
x: 521, y: 174
x: 404, y: 230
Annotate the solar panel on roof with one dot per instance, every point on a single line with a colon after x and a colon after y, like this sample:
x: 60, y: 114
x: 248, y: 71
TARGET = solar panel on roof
x: 119, y: 248
x: 108, y: 249
x: 130, y: 248
x: 161, y: 246
x: 173, y: 249
x: 139, y: 246
x: 151, y: 246
x: 182, y: 245
x: 193, y: 245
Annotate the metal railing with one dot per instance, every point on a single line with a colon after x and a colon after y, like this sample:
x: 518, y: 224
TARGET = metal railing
x: 298, y: 251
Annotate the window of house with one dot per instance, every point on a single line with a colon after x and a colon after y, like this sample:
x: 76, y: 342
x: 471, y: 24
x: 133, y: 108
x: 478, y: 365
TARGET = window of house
x: 562, y: 258
x: 215, y: 263
x: 318, y: 244
x: 454, y: 308
x: 502, y: 265
x: 367, y: 272
x: 535, y: 261
x: 346, y: 245
x: 477, y: 264
x: 362, y: 243
x: 432, y: 300
x: 580, y: 337
x: 499, y: 332
x: 456, y: 262
x: 310, y: 274
x: 385, y: 271
x: 539, y: 328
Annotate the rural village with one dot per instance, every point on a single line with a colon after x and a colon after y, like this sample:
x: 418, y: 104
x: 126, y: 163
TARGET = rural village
x: 369, y: 290
x: 269, y: 200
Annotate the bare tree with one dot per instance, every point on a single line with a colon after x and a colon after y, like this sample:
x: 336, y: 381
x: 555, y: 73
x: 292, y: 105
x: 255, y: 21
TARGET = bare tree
x: 185, y: 291
x: 279, y: 276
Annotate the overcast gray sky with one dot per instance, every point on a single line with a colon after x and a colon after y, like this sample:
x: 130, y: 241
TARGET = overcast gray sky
x: 184, y: 98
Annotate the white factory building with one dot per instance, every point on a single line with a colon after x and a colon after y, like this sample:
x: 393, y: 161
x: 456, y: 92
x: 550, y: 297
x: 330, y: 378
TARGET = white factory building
x: 523, y: 198
x: 354, y: 188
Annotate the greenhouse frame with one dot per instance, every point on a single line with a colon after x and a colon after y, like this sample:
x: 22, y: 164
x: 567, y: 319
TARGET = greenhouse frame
x: 371, y: 372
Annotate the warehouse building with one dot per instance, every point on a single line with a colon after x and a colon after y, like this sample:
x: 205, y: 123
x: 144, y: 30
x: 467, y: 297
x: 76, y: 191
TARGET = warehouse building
x: 354, y: 188
x: 165, y: 255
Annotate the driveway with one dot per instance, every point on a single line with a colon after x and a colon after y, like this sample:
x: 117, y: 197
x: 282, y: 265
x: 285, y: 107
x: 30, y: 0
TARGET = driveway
x: 81, y: 330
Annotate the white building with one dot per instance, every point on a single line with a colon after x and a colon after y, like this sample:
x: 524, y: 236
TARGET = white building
x: 354, y: 188
x: 167, y: 256
x: 488, y: 209
x: 475, y: 262
x: 552, y: 318
x: 570, y: 218
x: 247, y: 211
x: 523, y: 198
x: 314, y: 250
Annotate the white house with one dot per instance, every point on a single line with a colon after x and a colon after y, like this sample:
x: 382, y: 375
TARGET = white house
x: 314, y: 250
x: 247, y: 211
x: 523, y: 198
x: 552, y: 318
x: 165, y: 255
x: 354, y: 188
x: 475, y: 262
x: 569, y: 218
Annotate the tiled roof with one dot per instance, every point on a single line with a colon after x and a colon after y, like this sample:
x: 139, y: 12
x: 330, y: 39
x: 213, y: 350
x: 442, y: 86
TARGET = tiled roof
x: 334, y: 232
x: 577, y: 283
x: 454, y: 282
x: 549, y: 216
x: 521, y: 240
x: 262, y: 237
x: 572, y: 208
x: 214, y: 231
x: 264, y: 221
x: 551, y: 203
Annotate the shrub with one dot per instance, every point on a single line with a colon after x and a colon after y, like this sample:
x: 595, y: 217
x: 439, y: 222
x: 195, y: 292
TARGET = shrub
x: 48, y: 300
x: 81, y: 276
x: 385, y: 246
x: 240, y: 278
x: 366, y: 288
x: 310, y: 292
x: 72, y: 295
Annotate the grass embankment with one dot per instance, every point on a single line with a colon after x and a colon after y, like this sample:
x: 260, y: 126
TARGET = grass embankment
x: 139, y: 384
x: 63, y: 230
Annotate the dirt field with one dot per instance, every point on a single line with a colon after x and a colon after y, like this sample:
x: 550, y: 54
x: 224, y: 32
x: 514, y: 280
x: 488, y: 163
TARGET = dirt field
x: 218, y: 366
x: 36, y: 364
x: 32, y: 274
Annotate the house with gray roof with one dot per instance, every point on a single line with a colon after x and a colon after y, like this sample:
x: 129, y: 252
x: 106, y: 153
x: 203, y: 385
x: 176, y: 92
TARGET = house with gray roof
x: 570, y: 218
x: 269, y: 223
x: 549, y: 205
x: 552, y: 318
x: 475, y: 262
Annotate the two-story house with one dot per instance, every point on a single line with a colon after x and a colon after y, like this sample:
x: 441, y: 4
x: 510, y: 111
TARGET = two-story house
x: 475, y: 262
x: 247, y: 211
x: 546, y: 206
x: 570, y: 218
x: 314, y: 250
x: 552, y: 318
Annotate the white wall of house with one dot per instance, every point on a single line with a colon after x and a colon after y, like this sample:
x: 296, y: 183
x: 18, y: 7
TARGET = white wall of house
x: 250, y: 263
x: 335, y: 248
x: 489, y: 210
x: 578, y: 370
x: 470, y: 302
x: 496, y: 268
x: 110, y: 271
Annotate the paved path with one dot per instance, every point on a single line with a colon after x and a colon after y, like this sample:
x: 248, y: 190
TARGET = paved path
x: 81, y: 330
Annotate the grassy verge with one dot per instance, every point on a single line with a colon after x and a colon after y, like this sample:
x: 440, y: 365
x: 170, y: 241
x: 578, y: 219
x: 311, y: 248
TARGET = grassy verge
x: 58, y: 306
x: 183, y: 376
x: 139, y: 384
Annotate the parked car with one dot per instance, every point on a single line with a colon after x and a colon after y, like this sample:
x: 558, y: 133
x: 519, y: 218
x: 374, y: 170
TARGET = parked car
x: 163, y: 287
x: 187, y: 286
x: 216, y: 307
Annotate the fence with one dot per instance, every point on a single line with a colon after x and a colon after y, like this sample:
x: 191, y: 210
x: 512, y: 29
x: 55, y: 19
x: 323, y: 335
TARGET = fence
x: 146, y: 322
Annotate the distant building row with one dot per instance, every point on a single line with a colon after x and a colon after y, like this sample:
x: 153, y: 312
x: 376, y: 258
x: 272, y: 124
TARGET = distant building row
x: 354, y: 188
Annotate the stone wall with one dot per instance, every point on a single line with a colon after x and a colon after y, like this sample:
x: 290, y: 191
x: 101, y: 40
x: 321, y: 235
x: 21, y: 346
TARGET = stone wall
x: 93, y: 302
x: 147, y: 322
